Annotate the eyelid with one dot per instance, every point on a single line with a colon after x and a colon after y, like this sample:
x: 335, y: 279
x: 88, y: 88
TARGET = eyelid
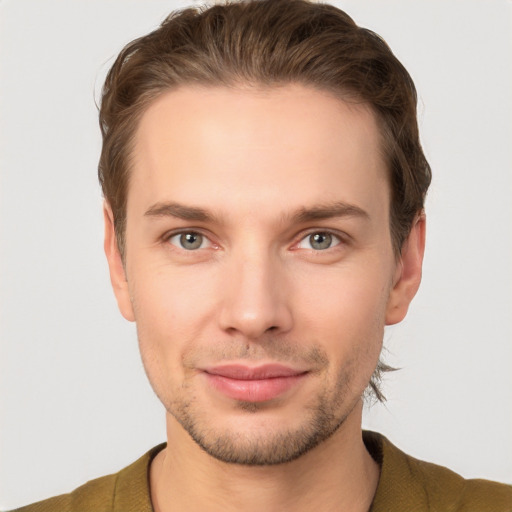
x: 342, y: 238
x: 166, y: 238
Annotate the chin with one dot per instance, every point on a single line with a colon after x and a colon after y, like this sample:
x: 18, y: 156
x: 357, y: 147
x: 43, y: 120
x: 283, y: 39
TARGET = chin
x: 256, y: 434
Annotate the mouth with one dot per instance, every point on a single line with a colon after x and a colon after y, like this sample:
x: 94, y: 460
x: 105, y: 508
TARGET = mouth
x: 253, y: 384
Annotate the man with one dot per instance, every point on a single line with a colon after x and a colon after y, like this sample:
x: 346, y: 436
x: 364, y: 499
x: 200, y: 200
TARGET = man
x: 264, y: 188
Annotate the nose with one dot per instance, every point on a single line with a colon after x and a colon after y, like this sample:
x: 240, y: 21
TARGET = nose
x: 255, y: 298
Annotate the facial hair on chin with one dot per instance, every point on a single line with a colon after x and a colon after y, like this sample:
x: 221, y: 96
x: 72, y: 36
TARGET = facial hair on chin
x: 323, y: 416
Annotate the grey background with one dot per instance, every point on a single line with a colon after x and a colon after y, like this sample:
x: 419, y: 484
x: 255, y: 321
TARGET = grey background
x: 74, y: 401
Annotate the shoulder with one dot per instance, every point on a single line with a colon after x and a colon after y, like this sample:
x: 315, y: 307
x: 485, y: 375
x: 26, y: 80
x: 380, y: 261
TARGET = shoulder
x: 123, y: 491
x: 94, y: 495
x: 407, y: 483
x: 446, y: 490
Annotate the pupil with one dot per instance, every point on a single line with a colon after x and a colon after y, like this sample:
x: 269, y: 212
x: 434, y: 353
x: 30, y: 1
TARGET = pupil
x: 191, y: 240
x: 321, y: 241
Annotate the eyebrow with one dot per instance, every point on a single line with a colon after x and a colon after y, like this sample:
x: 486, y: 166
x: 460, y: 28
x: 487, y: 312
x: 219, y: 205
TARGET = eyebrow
x: 179, y: 211
x: 317, y: 212
x: 329, y: 211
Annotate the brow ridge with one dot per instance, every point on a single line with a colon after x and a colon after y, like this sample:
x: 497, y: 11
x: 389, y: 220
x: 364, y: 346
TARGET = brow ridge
x: 180, y: 211
x: 304, y: 214
x: 328, y: 211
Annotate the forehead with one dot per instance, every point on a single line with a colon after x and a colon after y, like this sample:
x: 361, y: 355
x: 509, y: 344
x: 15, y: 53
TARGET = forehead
x: 266, y: 146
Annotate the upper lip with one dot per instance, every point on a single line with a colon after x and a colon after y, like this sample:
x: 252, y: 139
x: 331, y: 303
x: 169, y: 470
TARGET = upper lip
x: 243, y: 372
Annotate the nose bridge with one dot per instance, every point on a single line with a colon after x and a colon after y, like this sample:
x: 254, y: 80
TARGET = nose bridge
x: 255, y: 299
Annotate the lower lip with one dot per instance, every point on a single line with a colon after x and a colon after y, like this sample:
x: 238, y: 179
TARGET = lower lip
x: 260, y: 390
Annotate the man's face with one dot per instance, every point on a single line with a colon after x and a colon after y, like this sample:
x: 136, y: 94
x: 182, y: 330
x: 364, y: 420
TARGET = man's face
x: 259, y: 265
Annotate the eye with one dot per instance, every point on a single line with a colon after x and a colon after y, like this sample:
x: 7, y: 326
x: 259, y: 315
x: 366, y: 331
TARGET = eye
x: 319, y: 241
x: 189, y: 240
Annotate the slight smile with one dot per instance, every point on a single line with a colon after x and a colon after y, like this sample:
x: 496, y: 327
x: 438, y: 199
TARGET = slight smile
x: 253, y: 384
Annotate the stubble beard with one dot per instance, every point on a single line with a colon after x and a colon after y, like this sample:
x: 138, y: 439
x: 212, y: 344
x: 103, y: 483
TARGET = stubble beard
x: 321, y: 420
x: 335, y: 399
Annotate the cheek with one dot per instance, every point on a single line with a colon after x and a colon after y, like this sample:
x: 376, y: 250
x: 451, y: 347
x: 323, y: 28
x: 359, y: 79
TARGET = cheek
x: 166, y: 319
x: 345, y: 311
x: 168, y: 296
x: 172, y: 307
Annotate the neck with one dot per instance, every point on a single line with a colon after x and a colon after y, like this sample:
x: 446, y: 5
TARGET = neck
x: 339, y: 474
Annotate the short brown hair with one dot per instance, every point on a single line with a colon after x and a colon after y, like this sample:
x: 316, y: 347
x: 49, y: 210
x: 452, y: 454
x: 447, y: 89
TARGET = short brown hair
x: 266, y: 43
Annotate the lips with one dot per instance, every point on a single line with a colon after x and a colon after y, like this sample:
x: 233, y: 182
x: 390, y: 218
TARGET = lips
x: 253, y: 384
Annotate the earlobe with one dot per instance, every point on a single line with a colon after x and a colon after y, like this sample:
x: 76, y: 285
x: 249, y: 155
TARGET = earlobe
x: 115, y: 265
x: 408, y: 272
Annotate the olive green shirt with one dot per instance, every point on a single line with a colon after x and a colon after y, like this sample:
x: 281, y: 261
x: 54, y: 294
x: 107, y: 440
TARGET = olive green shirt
x: 405, y: 485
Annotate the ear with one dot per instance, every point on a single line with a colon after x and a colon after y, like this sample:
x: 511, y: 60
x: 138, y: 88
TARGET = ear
x: 408, y: 272
x: 116, y: 267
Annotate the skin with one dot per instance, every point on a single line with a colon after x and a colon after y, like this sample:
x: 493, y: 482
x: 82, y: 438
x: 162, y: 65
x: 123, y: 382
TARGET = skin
x: 271, y: 167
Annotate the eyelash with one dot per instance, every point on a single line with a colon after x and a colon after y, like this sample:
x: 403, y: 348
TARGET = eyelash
x: 169, y: 236
x: 337, y: 238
